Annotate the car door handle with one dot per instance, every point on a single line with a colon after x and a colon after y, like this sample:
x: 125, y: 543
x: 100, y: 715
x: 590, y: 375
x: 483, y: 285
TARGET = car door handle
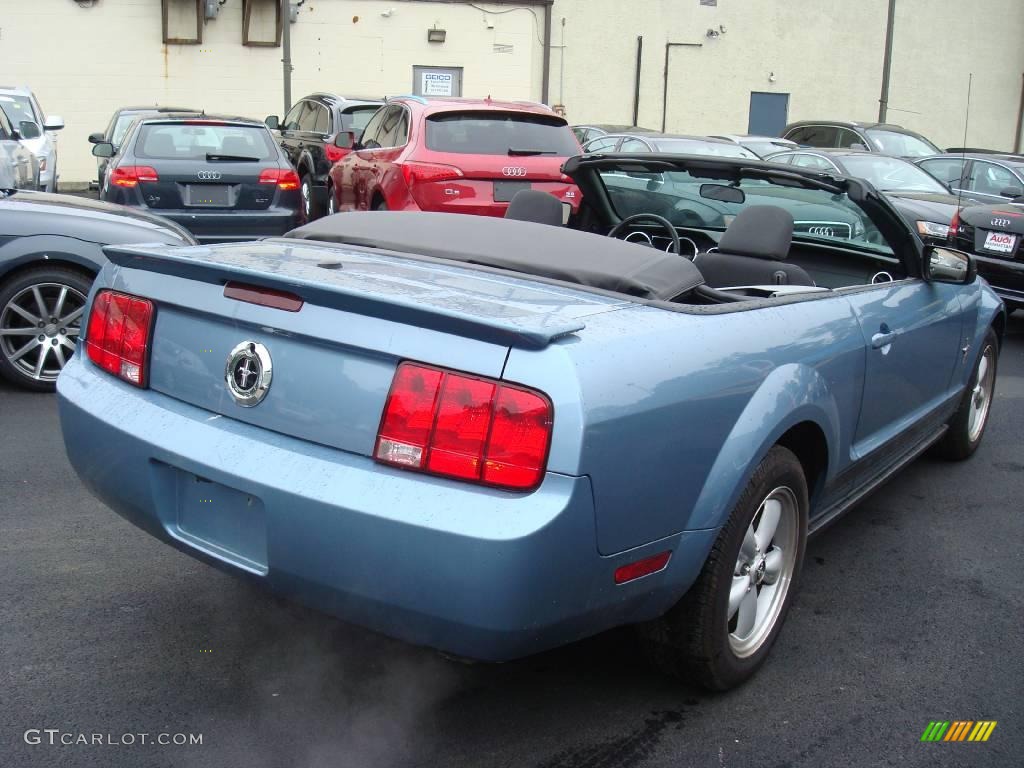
x: 883, y: 338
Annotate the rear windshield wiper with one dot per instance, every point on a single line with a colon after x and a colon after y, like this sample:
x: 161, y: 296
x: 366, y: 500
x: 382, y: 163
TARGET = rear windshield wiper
x: 213, y: 157
x: 527, y: 152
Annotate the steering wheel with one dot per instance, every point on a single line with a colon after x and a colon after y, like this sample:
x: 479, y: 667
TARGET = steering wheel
x: 665, y: 224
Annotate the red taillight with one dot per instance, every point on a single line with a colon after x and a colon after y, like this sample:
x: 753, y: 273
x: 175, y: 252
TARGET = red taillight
x: 422, y: 173
x: 644, y: 567
x: 117, y: 339
x: 468, y: 427
x: 334, y: 153
x: 284, y: 178
x: 130, y: 175
x: 954, y: 225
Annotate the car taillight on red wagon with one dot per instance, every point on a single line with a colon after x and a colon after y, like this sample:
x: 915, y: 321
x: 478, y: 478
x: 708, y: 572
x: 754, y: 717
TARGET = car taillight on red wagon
x: 466, y: 427
x: 117, y: 339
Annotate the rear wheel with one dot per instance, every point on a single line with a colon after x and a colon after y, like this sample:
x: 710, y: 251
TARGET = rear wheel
x: 380, y: 206
x: 724, y: 627
x: 332, y: 205
x: 40, y: 321
x: 310, y: 206
x: 967, y: 426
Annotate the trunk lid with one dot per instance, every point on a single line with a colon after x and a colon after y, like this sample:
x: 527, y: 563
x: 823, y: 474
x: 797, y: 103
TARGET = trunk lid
x: 332, y: 360
x: 215, y: 185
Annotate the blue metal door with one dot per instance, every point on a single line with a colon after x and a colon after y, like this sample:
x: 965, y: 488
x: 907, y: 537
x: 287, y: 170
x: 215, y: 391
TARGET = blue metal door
x: 912, y: 332
x: 768, y: 113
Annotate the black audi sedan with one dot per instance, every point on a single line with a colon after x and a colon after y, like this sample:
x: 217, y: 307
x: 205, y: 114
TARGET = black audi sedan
x: 995, y: 235
x: 990, y: 177
x: 307, y: 136
x: 51, y: 248
x: 222, y: 178
x: 927, y: 204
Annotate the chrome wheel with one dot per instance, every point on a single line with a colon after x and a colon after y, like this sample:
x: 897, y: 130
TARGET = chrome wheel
x: 39, y: 327
x: 331, y: 209
x: 306, y: 198
x: 981, y: 395
x: 763, y: 572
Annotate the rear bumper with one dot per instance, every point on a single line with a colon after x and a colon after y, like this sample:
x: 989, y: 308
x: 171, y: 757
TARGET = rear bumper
x: 225, y: 226
x: 476, y: 572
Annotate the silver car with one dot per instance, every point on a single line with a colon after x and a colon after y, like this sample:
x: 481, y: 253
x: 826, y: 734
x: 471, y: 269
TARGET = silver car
x: 19, y: 168
x: 20, y: 105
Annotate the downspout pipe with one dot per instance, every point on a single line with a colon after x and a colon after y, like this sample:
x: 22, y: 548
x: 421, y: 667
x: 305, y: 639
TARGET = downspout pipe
x: 545, y: 82
x: 636, y: 84
x: 1019, y: 138
x: 883, y: 100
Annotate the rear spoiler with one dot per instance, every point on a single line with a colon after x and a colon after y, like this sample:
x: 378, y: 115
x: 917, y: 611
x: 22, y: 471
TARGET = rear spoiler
x: 340, y: 288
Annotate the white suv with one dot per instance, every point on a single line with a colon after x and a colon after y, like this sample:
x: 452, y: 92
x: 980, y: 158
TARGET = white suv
x: 20, y: 104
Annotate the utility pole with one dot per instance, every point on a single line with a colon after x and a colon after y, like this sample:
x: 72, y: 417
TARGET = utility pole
x: 883, y: 101
x: 286, y: 46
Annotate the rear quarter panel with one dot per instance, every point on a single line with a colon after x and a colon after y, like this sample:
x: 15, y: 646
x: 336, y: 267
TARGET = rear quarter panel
x: 669, y: 412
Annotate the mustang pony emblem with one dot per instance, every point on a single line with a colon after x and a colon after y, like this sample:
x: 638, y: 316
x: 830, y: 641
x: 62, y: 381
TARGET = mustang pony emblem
x: 248, y: 373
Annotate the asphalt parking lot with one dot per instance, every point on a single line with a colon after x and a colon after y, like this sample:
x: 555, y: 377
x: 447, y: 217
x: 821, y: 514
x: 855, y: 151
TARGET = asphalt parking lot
x: 911, y: 610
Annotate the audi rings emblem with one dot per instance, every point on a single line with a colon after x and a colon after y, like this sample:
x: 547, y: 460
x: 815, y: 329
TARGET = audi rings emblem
x: 824, y: 231
x: 208, y: 175
x: 513, y: 170
x: 248, y: 372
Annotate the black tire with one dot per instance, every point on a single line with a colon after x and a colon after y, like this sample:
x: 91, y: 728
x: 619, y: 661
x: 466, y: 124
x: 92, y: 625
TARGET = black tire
x: 310, y: 207
x: 962, y: 438
x: 48, y: 280
x: 692, y: 641
x: 380, y: 206
x: 331, y: 200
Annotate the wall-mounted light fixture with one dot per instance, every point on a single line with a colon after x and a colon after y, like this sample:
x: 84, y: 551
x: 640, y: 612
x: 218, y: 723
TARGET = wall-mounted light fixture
x: 771, y: 77
x: 436, y: 35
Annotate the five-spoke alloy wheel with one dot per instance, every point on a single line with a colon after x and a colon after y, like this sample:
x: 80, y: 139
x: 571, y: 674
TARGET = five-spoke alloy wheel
x: 723, y: 628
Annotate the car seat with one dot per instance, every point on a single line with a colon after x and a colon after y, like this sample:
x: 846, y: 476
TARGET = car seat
x: 536, y: 206
x: 752, y: 251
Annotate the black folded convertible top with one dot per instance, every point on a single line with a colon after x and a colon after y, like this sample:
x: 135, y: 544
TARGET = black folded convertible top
x: 520, y: 246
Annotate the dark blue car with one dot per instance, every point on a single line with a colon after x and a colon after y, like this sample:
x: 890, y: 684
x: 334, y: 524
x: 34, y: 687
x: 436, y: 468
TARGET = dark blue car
x: 494, y: 436
x: 221, y: 178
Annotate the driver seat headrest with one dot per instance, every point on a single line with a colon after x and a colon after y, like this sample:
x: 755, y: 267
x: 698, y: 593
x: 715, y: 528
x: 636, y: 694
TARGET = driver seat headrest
x: 759, y: 232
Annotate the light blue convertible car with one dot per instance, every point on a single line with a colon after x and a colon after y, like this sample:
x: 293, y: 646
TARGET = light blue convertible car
x: 493, y: 437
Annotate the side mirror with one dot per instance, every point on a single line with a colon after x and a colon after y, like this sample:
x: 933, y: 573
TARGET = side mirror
x: 53, y: 123
x: 28, y: 130
x: 1012, y: 192
x: 103, y: 149
x: 273, y: 122
x: 945, y: 265
x: 345, y: 140
x: 96, y: 138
